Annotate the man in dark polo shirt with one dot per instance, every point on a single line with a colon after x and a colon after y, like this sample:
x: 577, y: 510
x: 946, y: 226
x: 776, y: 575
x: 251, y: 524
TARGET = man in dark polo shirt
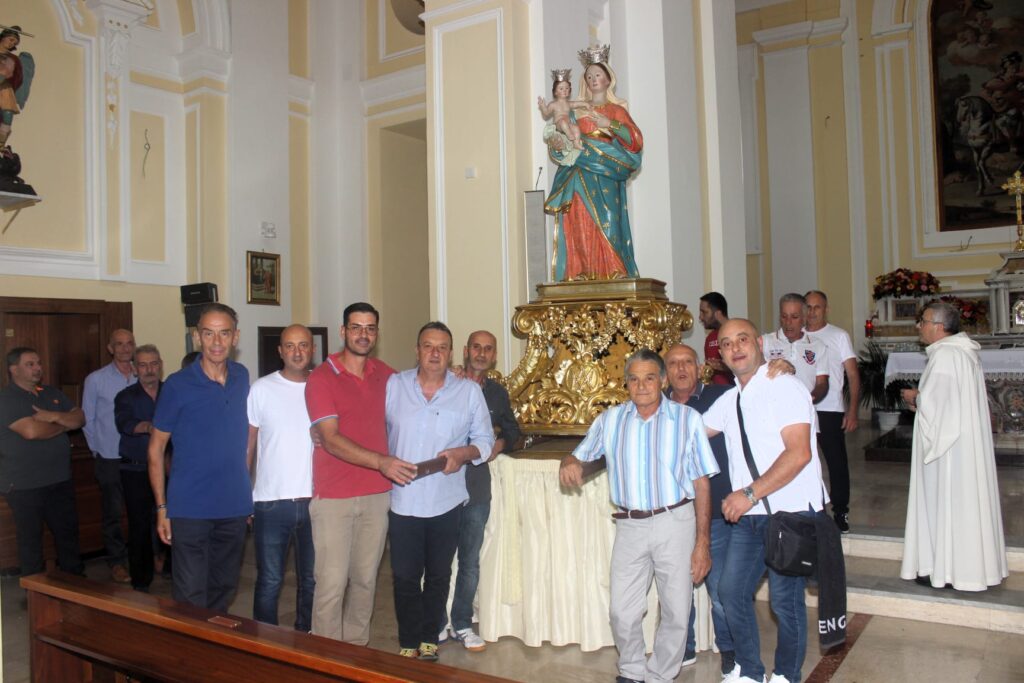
x: 479, y: 355
x: 133, y: 415
x: 352, y: 475
x: 208, y: 498
x: 685, y: 387
x: 35, y: 463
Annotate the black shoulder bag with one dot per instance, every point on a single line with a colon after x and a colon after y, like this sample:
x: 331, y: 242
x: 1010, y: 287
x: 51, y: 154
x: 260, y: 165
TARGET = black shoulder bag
x: 790, y: 541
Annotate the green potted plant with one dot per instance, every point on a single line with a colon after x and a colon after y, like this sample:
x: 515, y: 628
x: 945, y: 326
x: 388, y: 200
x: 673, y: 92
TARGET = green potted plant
x: 885, y: 401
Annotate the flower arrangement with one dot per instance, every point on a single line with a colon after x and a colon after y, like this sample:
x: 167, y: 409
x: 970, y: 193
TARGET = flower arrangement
x: 906, y: 282
x: 973, y: 312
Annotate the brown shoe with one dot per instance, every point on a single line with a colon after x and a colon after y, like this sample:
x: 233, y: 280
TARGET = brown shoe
x: 119, y: 574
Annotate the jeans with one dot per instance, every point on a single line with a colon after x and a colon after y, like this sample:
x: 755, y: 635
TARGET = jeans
x: 744, y: 567
x: 471, y: 537
x: 832, y: 442
x: 138, y: 500
x: 720, y: 533
x: 207, y: 560
x: 108, y: 476
x: 422, y: 550
x: 53, y: 505
x: 275, y: 524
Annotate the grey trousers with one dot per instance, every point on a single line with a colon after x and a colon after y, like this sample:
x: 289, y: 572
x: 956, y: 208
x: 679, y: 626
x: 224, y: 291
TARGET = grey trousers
x: 657, y: 548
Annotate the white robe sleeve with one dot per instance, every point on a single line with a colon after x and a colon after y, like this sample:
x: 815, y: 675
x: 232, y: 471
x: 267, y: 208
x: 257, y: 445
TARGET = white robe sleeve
x: 939, y: 406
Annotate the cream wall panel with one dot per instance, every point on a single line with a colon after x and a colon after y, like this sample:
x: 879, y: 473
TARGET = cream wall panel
x: 390, y: 47
x: 298, y: 38
x: 148, y: 194
x: 52, y: 137
x: 471, y: 229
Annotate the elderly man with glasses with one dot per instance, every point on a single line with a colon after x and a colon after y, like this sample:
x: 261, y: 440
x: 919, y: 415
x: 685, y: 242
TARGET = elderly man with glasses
x: 954, y: 535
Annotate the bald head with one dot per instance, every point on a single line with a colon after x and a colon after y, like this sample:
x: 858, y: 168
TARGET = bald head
x: 739, y: 342
x: 296, y: 350
x: 122, y: 346
x: 480, y: 354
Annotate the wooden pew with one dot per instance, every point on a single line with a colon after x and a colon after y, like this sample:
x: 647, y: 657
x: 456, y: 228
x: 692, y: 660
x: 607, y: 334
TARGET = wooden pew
x: 82, y: 630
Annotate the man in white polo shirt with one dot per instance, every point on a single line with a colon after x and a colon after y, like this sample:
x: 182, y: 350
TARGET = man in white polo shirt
x: 778, y: 418
x: 835, y: 420
x: 280, y: 442
x: 808, y: 355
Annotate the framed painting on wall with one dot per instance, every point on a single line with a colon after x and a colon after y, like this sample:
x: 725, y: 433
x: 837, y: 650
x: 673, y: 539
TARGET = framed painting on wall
x: 263, y: 278
x: 978, y: 100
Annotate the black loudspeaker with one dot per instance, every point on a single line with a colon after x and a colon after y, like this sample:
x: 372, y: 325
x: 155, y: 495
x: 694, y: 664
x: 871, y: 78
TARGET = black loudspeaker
x: 198, y: 293
x: 192, y: 312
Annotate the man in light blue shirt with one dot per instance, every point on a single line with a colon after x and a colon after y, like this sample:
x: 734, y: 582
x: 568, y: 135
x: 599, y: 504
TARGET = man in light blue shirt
x: 104, y: 441
x: 659, y: 461
x: 430, y: 413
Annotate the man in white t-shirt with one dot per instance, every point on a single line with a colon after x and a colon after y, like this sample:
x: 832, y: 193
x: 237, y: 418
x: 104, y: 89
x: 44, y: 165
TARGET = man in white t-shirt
x: 279, y: 441
x: 834, y: 419
x: 808, y: 355
x: 778, y: 419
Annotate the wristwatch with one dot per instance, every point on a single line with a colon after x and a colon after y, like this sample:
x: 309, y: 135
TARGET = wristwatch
x: 749, y: 493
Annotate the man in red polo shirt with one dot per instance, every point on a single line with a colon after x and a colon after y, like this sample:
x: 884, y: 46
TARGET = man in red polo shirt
x: 352, y: 475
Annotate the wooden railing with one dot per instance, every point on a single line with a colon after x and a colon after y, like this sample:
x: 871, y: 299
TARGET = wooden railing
x: 82, y: 630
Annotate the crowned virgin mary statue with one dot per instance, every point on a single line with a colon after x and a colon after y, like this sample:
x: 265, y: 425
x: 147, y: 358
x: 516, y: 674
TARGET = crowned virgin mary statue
x: 588, y: 194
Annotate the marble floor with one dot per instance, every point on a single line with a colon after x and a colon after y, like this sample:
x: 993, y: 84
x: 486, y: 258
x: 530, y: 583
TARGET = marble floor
x: 888, y: 649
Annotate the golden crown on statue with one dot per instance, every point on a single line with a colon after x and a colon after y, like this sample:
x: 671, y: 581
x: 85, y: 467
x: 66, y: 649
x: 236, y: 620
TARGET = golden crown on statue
x: 559, y: 75
x: 598, y: 54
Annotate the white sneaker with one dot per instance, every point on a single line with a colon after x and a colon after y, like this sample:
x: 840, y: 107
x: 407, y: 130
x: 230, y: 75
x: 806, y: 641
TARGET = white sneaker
x: 442, y: 637
x: 778, y: 678
x: 748, y: 679
x: 470, y: 640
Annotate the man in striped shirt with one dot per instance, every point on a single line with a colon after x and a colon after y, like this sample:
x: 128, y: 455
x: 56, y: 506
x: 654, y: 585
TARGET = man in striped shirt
x: 659, y: 461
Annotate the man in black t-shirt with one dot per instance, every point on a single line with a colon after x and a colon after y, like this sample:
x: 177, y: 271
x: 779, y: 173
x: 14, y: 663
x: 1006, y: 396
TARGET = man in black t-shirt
x: 35, y: 463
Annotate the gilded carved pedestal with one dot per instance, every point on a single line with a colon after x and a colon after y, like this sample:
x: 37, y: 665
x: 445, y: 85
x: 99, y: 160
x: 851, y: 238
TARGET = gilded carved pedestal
x: 579, y: 335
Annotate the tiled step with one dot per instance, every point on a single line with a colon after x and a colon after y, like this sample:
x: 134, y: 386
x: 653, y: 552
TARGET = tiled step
x: 874, y: 587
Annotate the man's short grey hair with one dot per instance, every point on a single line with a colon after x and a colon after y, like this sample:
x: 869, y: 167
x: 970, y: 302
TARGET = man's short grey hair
x: 946, y: 314
x: 793, y: 297
x: 646, y: 355
x: 147, y: 348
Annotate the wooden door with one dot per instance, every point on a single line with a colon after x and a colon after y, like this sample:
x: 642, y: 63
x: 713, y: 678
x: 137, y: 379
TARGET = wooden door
x: 70, y: 336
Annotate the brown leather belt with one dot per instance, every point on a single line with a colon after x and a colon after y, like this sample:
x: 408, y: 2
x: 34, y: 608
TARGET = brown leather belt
x: 644, y: 514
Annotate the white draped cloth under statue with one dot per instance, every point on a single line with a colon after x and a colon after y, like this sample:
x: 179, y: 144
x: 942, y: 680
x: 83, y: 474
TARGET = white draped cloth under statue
x: 545, y: 561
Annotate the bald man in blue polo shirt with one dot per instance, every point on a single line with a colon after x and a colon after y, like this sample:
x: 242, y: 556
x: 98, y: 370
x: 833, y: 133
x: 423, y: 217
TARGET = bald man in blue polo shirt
x: 209, y: 498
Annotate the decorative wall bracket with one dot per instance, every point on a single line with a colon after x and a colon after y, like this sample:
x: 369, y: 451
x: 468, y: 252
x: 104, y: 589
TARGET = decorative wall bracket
x: 579, y: 335
x: 116, y: 19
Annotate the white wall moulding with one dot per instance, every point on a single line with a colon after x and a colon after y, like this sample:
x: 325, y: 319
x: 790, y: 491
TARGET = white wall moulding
x: 394, y: 86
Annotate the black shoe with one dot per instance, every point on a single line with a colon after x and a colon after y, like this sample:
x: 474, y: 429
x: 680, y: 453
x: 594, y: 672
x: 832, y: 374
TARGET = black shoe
x: 623, y: 679
x: 728, y: 661
x: 842, y: 521
x: 690, y: 657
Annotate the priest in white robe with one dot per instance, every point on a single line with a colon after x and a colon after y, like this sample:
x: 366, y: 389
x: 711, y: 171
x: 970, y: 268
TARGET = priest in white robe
x: 954, y: 529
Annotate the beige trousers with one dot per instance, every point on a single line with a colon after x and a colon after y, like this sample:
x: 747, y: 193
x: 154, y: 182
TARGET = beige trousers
x: 348, y: 535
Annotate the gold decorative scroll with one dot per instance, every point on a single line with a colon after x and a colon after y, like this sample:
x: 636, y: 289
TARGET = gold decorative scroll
x: 579, y: 335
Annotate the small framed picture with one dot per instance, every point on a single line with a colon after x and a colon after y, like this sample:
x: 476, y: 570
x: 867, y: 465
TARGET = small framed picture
x: 905, y: 309
x: 263, y: 278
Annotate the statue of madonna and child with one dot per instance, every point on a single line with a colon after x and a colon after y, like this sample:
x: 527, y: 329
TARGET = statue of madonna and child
x: 597, y: 147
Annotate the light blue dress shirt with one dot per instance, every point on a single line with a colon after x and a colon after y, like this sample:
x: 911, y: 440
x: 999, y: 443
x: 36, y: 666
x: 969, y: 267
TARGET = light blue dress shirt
x: 651, y: 463
x: 418, y: 430
x: 101, y: 386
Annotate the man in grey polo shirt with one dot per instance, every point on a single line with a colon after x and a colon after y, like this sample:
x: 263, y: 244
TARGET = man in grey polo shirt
x: 35, y: 463
x: 104, y: 441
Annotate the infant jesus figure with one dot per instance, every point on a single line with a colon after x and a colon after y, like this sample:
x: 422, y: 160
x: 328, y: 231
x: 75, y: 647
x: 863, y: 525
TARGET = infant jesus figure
x: 561, y: 105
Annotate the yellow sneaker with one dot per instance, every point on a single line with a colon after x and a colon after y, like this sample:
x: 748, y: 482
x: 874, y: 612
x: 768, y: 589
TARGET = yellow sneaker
x: 410, y: 652
x: 428, y: 652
